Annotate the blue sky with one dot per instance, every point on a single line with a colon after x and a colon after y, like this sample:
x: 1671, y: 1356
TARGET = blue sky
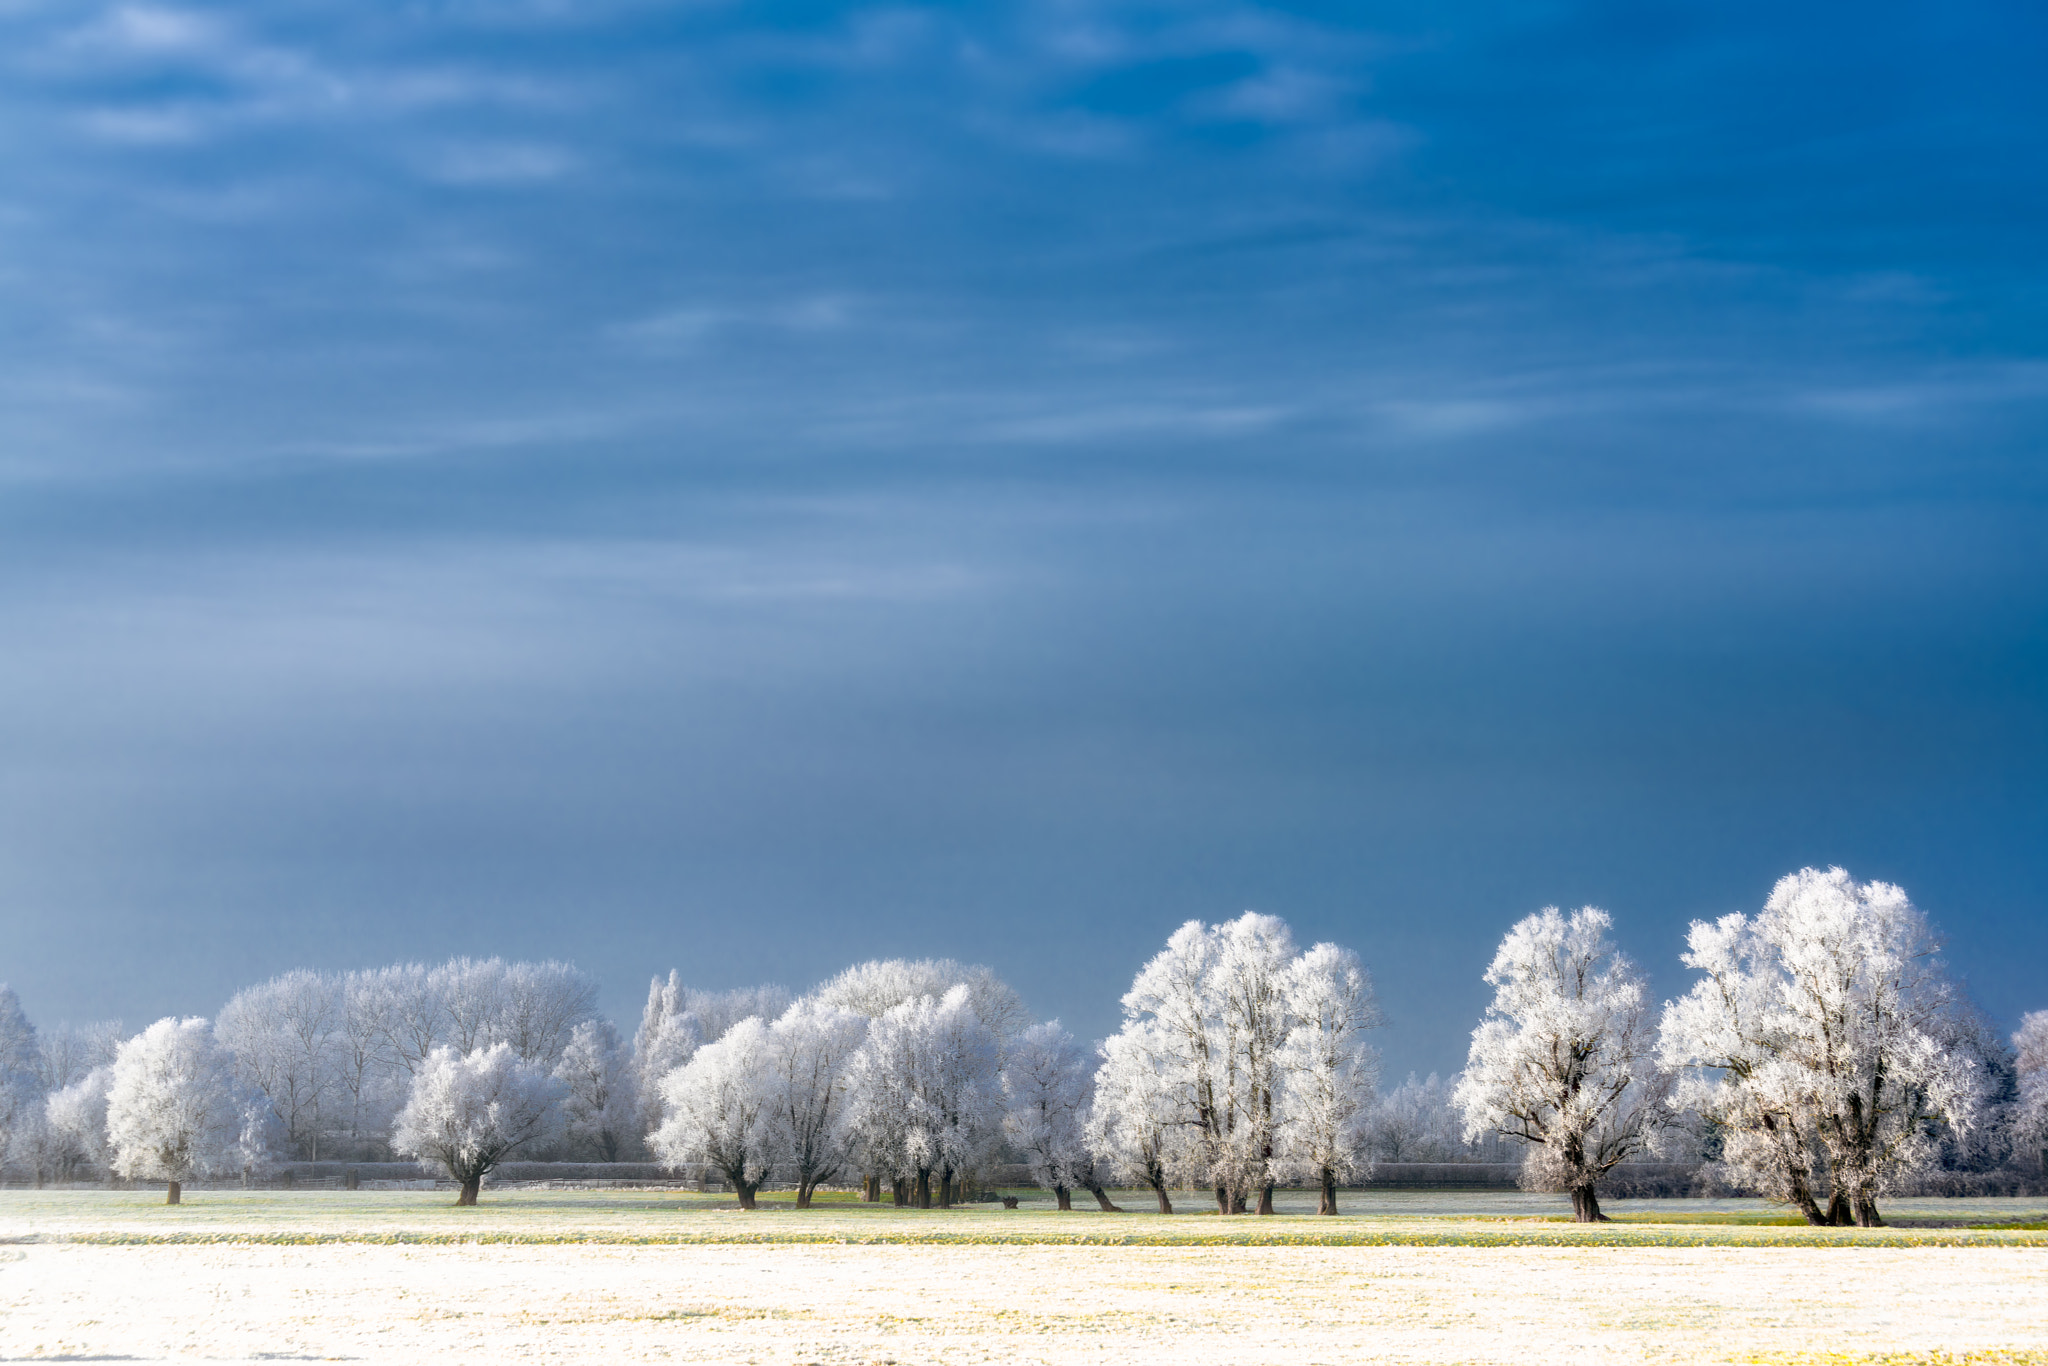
x: 747, y: 487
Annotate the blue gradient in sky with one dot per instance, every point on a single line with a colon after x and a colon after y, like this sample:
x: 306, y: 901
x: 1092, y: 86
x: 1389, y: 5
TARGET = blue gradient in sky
x: 744, y: 488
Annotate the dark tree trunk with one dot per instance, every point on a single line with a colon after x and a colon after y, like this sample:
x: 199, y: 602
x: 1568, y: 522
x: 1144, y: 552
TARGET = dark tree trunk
x: 946, y: 1191
x: 1102, y: 1199
x: 1236, y: 1201
x: 1223, y: 1199
x: 924, y: 1188
x: 1266, y: 1198
x: 174, y: 1193
x: 803, y: 1193
x: 1838, y: 1210
x: 470, y: 1184
x: 1866, y: 1212
x: 1329, y: 1201
x: 1063, y: 1197
x: 1165, y: 1204
x: 745, y: 1190
x: 871, y: 1189
x: 1586, y: 1206
x: 899, y: 1192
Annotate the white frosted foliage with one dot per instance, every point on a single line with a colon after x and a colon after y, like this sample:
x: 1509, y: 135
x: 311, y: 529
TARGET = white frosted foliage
x: 175, y: 1112
x: 1824, y: 1042
x: 1563, y: 1060
x: 1046, y: 1089
x: 470, y: 1112
x: 717, y: 1108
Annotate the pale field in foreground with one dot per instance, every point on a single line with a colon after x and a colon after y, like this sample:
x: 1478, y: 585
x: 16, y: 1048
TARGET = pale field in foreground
x: 916, y: 1304
x: 613, y: 1299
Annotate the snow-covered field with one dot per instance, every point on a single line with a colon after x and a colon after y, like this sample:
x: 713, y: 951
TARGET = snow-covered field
x: 912, y: 1302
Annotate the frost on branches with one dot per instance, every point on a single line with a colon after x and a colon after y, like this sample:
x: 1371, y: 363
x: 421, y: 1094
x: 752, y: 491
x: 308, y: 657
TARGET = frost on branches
x: 602, y: 1102
x: 1563, y: 1061
x: 21, y: 1080
x: 175, y: 1112
x: 925, y: 1095
x: 1046, y: 1091
x: 2030, y: 1124
x: 718, y: 1110
x: 809, y: 1052
x: 1237, y: 1062
x: 1134, y: 1125
x: 1824, y: 1043
x: 469, y: 1112
x: 1329, y: 1071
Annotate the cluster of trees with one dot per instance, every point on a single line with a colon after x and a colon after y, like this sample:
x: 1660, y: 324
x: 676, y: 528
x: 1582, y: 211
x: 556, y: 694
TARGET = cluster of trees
x: 1820, y: 1056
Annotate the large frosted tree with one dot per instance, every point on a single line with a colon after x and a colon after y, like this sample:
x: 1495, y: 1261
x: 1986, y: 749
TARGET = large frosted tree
x: 810, y: 1054
x: 282, y: 1034
x: 602, y: 1102
x: 1329, y: 1071
x: 667, y: 1038
x: 176, y: 1113
x: 470, y: 1112
x: 1046, y: 1086
x: 1135, y: 1124
x: 1213, y: 1013
x: 718, y: 1109
x: 1825, y: 1043
x: 1563, y: 1060
x: 926, y: 1093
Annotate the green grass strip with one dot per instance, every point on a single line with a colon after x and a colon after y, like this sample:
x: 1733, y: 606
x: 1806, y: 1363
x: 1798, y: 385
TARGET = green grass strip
x: 1538, y: 1235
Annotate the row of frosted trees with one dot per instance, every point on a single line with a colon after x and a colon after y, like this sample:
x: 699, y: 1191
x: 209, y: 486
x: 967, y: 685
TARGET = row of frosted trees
x: 1820, y: 1056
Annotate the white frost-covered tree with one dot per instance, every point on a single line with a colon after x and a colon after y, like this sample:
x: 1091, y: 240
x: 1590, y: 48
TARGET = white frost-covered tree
x: 77, y: 1118
x: 176, y: 1113
x: 282, y: 1035
x: 1328, y: 1070
x: 21, y: 1079
x: 71, y: 1051
x: 667, y: 1038
x: 1563, y: 1061
x: 718, y: 1011
x: 470, y: 1112
x: 1418, y: 1121
x: 1046, y: 1090
x: 1212, y: 1012
x: 1825, y: 1043
x: 602, y: 1103
x: 2030, y: 1119
x: 1134, y: 1126
x: 717, y: 1108
x: 926, y: 1093
x: 810, y: 1053
x: 876, y: 987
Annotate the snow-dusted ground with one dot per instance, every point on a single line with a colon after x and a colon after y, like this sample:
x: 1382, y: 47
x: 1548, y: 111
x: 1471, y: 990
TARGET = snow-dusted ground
x: 1050, y: 1304
x: 794, y: 1302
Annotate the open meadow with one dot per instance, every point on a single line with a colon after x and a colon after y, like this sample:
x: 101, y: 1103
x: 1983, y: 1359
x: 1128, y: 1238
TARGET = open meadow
x: 664, y: 1275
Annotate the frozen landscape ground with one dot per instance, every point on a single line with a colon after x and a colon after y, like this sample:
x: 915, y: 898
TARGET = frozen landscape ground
x: 616, y: 1275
